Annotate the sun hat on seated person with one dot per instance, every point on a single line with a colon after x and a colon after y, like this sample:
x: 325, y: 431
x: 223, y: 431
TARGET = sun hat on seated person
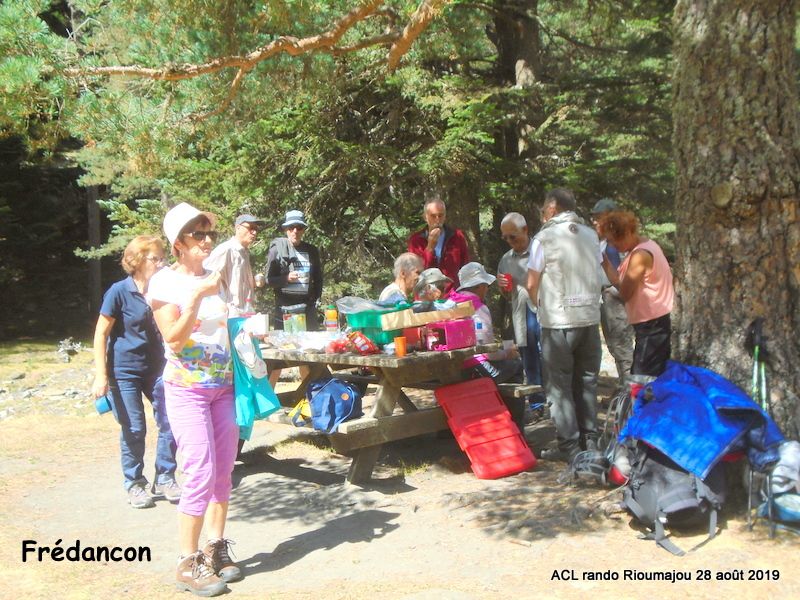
x: 428, y: 277
x: 294, y: 217
x: 178, y: 216
x: 472, y: 274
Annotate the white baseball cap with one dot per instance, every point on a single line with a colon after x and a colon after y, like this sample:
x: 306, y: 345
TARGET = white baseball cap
x: 178, y: 216
x: 472, y: 274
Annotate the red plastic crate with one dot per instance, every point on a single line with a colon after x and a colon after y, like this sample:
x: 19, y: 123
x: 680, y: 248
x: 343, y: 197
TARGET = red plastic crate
x: 468, y: 401
x: 501, y: 457
x: 483, y: 428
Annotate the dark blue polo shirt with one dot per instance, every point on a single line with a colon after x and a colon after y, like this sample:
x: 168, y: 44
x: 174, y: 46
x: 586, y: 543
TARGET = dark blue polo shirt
x: 135, y: 347
x: 613, y: 256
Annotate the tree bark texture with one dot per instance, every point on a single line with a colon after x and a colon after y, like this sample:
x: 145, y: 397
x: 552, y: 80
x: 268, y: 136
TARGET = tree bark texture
x: 516, y: 37
x: 737, y: 152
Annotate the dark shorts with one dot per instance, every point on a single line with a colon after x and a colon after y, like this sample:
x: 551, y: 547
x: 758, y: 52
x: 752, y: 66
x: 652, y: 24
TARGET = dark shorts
x: 652, y: 350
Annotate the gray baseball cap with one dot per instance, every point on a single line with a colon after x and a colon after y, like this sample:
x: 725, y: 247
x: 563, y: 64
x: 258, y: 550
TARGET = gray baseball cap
x: 604, y: 205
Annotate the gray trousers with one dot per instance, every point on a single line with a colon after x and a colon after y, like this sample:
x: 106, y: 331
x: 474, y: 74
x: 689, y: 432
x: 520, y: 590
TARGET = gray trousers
x: 571, y: 361
x: 617, y: 332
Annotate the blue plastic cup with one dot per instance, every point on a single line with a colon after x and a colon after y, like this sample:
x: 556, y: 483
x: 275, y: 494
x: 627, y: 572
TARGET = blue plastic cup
x: 102, y: 404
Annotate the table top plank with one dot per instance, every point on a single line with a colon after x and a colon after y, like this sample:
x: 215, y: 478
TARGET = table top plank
x: 375, y: 360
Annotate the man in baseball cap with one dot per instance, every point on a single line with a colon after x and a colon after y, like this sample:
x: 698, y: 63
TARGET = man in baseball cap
x: 232, y: 259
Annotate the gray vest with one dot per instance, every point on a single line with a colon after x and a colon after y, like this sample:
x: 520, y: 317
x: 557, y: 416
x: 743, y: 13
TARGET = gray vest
x: 569, y: 291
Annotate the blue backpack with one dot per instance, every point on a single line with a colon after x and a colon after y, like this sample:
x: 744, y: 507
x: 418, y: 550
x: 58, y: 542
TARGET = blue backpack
x: 332, y: 402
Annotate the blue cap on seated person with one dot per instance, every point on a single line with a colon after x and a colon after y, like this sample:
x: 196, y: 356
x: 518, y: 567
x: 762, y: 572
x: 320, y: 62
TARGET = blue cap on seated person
x: 472, y: 274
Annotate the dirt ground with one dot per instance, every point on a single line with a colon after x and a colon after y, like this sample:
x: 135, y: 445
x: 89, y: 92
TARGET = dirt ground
x: 425, y: 527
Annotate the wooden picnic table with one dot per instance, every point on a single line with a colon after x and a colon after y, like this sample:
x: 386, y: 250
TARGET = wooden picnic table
x: 362, y: 438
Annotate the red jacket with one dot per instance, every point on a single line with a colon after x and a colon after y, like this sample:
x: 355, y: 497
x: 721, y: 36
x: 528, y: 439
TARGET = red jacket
x: 454, y: 253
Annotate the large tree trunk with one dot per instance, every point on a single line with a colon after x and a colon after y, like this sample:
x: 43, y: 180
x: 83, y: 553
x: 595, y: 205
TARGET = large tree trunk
x: 737, y: 149
x: 516, y: 36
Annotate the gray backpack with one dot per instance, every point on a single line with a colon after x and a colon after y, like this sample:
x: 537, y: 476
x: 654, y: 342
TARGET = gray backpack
x: 661, y: 494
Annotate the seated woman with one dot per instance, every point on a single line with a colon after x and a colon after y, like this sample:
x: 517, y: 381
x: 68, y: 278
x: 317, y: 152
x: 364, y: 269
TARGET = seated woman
x: 503, y: 365
x: 644, y: 281
x: 407, y: 268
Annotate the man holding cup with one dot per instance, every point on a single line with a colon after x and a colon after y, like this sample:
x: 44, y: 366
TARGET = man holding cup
x: 232, y: 259
x: 512, y: 278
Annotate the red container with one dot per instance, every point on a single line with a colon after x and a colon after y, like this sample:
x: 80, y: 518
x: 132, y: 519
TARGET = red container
x: 486, y: 429
x: 449, y: 335
x: 413, y: 337
x: 470, y: 401
x: 483, y: 428
x: 501, y: 457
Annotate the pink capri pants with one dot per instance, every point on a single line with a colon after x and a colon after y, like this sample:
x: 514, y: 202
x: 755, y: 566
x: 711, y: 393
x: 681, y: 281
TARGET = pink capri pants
x: 203, y: 421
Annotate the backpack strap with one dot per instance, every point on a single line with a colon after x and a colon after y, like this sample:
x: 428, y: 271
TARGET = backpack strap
x: 680, y: 498
x: 661, y: 538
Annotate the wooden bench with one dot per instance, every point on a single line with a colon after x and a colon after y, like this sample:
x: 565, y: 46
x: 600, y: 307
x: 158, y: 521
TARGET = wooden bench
x: 514, y: 394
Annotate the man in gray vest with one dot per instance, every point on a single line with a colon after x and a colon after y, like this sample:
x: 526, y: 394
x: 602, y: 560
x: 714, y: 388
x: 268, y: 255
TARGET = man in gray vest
x: 564, y: 281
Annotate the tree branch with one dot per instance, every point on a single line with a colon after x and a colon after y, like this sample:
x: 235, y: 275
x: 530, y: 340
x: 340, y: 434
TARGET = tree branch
x: 293, y: 46
x: 419, y: 21
x: 288, y: 44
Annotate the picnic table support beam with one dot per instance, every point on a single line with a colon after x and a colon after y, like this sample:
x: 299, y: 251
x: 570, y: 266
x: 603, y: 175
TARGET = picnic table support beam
x: 364, y: 460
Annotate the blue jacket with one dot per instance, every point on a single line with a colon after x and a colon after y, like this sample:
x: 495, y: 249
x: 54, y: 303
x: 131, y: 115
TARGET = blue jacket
x: 697, y: 416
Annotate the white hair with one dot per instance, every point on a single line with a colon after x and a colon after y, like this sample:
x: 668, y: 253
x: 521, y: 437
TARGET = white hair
x: 406, y: 262
x: 433, y: 200
x: 516, y: 219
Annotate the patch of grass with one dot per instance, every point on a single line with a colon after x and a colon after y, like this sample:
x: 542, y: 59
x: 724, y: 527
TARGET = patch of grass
x: 410, y: 468
x: 30, y: 356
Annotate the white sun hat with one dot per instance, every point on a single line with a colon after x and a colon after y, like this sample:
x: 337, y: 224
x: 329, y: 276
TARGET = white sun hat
x: 472, y: 274
x: 178, y: 216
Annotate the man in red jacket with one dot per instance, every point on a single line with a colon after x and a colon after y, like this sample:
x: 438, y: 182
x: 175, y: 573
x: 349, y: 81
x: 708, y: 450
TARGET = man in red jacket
x: 439, y: 245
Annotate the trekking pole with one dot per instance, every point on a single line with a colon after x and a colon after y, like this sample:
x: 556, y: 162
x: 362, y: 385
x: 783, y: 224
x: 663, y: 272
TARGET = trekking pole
x: 760, y: 393
x: 755, y: 337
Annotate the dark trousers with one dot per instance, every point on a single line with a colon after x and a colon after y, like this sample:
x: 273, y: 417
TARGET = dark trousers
x: 652, y: 349
x: 530, y: 354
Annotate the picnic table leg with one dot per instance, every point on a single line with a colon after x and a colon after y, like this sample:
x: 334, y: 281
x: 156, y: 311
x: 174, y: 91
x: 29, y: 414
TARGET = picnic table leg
x: 365, y: 458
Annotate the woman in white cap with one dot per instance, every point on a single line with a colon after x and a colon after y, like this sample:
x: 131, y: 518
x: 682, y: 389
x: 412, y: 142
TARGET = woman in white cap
x: 198, y: 385
x: 294, y: 271
x: 503, y: 365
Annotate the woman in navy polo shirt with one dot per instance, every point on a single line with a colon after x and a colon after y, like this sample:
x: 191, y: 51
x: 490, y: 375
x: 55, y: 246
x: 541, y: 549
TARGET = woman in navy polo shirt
x: 129, y: 361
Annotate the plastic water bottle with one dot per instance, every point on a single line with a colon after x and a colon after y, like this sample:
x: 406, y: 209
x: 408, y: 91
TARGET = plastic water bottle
x: 331, y: 319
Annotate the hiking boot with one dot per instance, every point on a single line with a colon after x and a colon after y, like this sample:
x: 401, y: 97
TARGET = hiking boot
x: 195, y: 575
x: 138, y: 496
x: 170, y: 490
x: 216, y: 552
x: 556, y: 454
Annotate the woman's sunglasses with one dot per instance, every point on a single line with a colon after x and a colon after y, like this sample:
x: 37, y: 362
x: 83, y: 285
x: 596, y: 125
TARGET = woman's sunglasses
x: 202, y: 235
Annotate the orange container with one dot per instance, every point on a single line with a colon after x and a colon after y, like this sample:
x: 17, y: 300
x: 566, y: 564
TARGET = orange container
x: 400, y: 346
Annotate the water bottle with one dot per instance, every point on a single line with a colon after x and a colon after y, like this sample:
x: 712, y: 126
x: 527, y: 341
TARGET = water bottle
x: 331, y: 319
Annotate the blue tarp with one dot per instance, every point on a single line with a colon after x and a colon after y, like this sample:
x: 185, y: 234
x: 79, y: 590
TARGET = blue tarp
x: 697, y: 416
